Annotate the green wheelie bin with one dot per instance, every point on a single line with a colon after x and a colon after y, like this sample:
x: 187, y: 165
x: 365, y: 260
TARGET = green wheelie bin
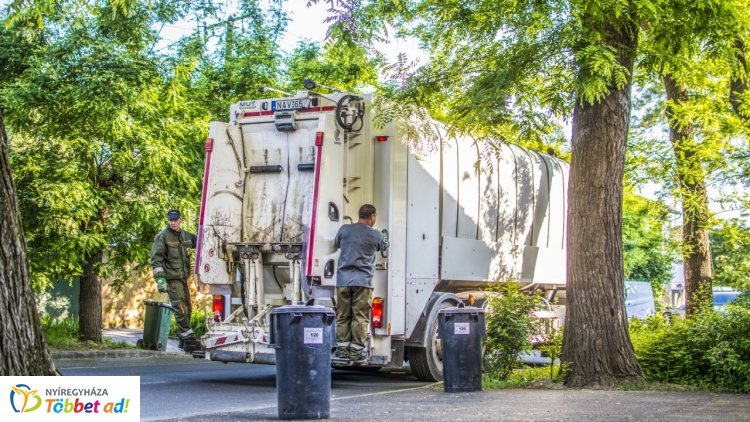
x: 156, y: 325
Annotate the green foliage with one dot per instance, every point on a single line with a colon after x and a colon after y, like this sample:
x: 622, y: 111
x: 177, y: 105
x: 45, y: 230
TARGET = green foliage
x: 102, y: 142
x: 60, y: 334
x: 527, y: 377
x: 246, y: 58
x: 552, y: 348
x: 197, y: 323
x: 509, y: 328
x: 708, y: 350
x: 339, y: 64
x: 483, y: 76
x: 730, y: 252
x: 688, y: 65
x: 648, y: 254
x: 64, y: 335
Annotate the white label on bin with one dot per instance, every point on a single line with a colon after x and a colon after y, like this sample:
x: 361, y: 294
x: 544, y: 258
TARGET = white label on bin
x: 313, y: 336
x: 461, y: 329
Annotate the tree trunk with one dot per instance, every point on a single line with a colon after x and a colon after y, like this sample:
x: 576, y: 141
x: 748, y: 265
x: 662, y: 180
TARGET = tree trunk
x: 90, y: 299
x: 596, y: 342
x: 23, y: 349
x: 738, y: 85
x: 696, y: 252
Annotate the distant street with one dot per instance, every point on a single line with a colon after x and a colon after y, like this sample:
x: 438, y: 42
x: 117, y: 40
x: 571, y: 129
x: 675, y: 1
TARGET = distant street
x: 184, y: 388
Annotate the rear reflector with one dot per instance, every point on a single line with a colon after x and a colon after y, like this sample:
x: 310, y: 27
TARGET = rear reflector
x: 377, y: 312
x: 218, y: 308
x: 381, y: 138
x: 319, y: 138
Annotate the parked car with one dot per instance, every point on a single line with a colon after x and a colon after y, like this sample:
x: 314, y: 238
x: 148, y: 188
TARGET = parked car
x: 724, y: 297
x: 639, y: 299
x: 721, y: 298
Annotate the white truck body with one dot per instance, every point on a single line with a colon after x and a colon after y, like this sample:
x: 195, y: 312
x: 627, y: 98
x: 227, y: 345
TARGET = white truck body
x: 283, y: 175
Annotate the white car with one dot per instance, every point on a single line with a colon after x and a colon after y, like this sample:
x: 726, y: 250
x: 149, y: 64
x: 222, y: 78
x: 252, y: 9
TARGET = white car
x: 639, y: 299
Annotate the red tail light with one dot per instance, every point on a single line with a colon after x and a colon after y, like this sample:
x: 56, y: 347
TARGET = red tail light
x: 377, y: 312
x: 319, y: 138
x: 218, y: 308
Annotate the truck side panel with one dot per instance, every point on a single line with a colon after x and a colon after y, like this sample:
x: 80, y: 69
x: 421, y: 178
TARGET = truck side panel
x: 390, y: 199
x: 450, y: 180
x: 422, y: 231
x: 221, y: 208
x: 327, y: 190
x: 468, y: 189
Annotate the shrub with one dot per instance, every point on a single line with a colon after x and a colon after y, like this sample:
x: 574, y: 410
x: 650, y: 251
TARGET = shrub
x: 197, y: 323
x: 709, y: 350
x: 60, y: 334
x: 527, y: 377
x: 509, y: 327
x: 553, y: 349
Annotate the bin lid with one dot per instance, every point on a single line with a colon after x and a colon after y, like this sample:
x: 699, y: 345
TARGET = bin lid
x: 462, y: 310
x: 156, y: 303
x: 304, y: 309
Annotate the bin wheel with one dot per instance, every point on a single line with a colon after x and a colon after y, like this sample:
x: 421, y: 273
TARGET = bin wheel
x: 159, y: 346
x: 139, y: 343
x: 427, y: 362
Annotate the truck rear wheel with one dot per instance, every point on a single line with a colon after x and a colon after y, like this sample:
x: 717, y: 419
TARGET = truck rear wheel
x: 427, y: 362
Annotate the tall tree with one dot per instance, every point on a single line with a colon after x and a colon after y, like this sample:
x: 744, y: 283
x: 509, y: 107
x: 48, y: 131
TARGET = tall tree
x: 23, y: 350
x: 596, y: 342
x: 104, y: 141
x: 696, y: 54
x: 694, y: 195
x: 503, y: 68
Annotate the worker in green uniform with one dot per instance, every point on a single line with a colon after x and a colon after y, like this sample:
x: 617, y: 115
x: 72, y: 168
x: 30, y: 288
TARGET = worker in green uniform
x: 171, y: 265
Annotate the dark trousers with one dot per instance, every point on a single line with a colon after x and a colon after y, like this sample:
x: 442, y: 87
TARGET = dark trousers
x: 179, y: 296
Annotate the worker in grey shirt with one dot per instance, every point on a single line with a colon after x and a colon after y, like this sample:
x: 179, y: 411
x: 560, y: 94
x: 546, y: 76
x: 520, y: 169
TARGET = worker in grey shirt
x: 358, y: 243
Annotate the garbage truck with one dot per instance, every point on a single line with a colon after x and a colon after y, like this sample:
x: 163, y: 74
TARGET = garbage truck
x: 283, y: 174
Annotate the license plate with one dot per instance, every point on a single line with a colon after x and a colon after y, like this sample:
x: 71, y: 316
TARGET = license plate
x: 292, y: 104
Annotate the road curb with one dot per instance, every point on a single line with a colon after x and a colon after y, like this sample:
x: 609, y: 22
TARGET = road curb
x: 114, y: 354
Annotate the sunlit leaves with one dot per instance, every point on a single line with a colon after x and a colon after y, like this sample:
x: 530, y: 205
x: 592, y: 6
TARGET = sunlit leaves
x: 103, y: 140
x: 647, y: 251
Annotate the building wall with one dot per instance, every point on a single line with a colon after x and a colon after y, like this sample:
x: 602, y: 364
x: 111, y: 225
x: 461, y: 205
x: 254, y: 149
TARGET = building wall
x: 123, y: 309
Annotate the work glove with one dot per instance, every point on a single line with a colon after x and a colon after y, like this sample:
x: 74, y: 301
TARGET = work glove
x: 161, y: 284
x: 385, y: 234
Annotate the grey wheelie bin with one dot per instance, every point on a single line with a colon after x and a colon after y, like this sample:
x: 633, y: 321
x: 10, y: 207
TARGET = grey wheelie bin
x: 303, y: 338
x: 462, y: 333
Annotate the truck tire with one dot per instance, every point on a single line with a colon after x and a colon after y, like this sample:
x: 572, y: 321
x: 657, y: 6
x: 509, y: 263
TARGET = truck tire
x: 426, y: 363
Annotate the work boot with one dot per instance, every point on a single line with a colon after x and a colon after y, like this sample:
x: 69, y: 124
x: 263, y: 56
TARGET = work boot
x: 187, y: 340
x: 186, y: 335
x: 357, y: 355
x: 191, y: 345
x: 342, y: 352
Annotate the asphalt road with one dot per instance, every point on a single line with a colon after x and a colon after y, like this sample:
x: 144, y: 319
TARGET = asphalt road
x: 184, y: 388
